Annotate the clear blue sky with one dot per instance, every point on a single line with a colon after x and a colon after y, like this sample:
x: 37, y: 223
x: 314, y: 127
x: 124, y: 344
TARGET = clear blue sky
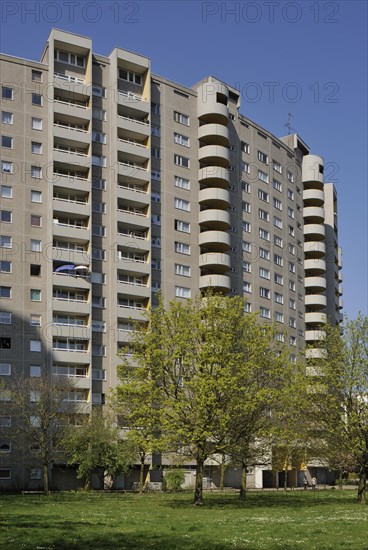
x: 308, y: 58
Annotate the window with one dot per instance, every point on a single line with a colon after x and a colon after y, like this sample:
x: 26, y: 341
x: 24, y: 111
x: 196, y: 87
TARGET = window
x: 155, y: 152
x: 292, y: 286
x: 245, y: 167
x: 277, y: 185
x: 5, y: 369
x: 245, y: 186
x: 5, y: 421
x: 6, y: 167
x: 263, y: 215
x: 290, y: 194
x: 35, y: 320
x: 36, y: 123
x: 35, y: 345
x: 278, y: 260
x: 182, y: 292
x: 35, y: 270
x: 182, y: 204
x: 35, y: 245
x: 246, y: 246
x: 291, y: 267
x: 99, y: 207
x: 181, y: 161
x: 264, y: 292
x: 263, y: 195
x: 99, y: 114
x: 264, y: 234
x: 98, y: 254
x: 291, y: 213
x: 265, y: 312
x: 247, y: 267
x: 6, y: 192
x: 247, y: 308
x: 156, y: 175
x: 291, y: 230
x: 181, y: 140
x: 99, y: 137
x: 36, y: 76
x: 181, y: 118
x: 36, y: 172
x: 35, y: 371
x: 292, y: 303
x: 279, y: 299
x: 98, y: 301
x: 262, y: 157
x: 129, y: 76
x: 7, y: 142
x: 37, y: 99
x: 5, y: 473
x: 36, y: 221
x: 182, y: 248
x: 5, y: 343
x: 156, y: 264
x: 264, y: 254
x: 183, y: 183
x: 98, y: 183
x: 290, y: 176
x: 277, y: 241
x: 6, y: 117
x: 155, y: 130
x: 277, y: 222
x: 277, y: 167
x: 5, y: 216
x: 263, y: 176
x: 98, y: 91
x: 279, y: 279
x: 156, y: 196
x: 98, y: 230
x: 98, y: 326
x: 292, y: 340
x: 246, y: 206
x: 247, y: 287
x: 183, y: 270
x: 264, y: 273
x: 156, y: 242
x: 182, y: 226
x: 35, y: 473
x: 5, y: 292
x: 5, y: 266
x: 98, y: 160
x: 36, y: 147
x: 98, y: 350
x: 291, y: 249
x: 246, y: 227
x: 155, y: 108
x: 35, y: 295
x: 244, y: 147
x: 7, y: 92
x: 292, y: 322
x: 277, y: 203
x: 70, y: 58
x: 279, y: 317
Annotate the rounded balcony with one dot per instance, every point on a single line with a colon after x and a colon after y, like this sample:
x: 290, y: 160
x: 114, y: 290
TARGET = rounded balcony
x: 213, y: 197
x: 315, y: 266
x: 217, y: 261
x: 317, y: 301
x: 214, y: 218
x: 314, y: 335
x: 214, y: 176
x: 315, y: 249
x: 315, y: 284
x: 340, y: 292
x: 214, y: 154
x: 313, y: 197
x: 314, y: 214
x: 312, y: 168
x: 214, y: 134
x: 315, y: 318
x: 217, y: 241
x: 221, y: 283
x: 212, y: 102
x: 314, y: 231
x: 315, y: 353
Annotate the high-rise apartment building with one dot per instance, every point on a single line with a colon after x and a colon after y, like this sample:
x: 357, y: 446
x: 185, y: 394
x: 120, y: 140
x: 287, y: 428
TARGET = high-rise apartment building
x: 116, y: 183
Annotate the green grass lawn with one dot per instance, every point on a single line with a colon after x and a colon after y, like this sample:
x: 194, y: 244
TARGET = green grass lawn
x: 326, y: 519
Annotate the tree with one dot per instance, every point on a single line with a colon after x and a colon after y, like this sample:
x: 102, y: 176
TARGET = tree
x: 194, y: 363
x: 339, y: 400
x: 96, y: 446
x: 40, y: 417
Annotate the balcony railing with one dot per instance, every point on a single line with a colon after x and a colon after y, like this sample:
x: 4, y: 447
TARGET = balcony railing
x: 135, y: 188
x: 70, y: 127
x: 130, y: 95
x: 74, y: 226
x: 72, y: 103
x: 70, y: 299
x: 70, y: 176
x: 131, y: 283
x: 72, y: 201
x: 133, y: 165
x: 127, y: 211
x: 133, y: 119
x: 70, y: 78
x: 133, y: 234
x: 133, y: 142
x: 71, y: 150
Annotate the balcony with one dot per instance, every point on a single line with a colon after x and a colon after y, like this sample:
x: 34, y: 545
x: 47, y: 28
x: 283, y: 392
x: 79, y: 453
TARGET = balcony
x: 134, y: 126
x: 72, y: 108
x: 133, y: 172
x: 314, y: 231
x: 209, y: 109
x: 70, y: 281
x: 136, y: 151
x: 314, y: 335
x: 215, y: 219
x: 72, y: 156
x: 133, y: 313
x: 129, y: 239
x: 133, y: 193
x: 69, y: 132
x: 67, y: 305
x: 70, y: 182
x: 70, y: 255
x: 315, y: 284
x: 214, y: 155
x: 317, y: 301
x: 219, y: 262
x: 214, y: 176
x: 315, y: 318
x: 315, y: 353
x: 221, y: 283
x: 214, y: 197
x: 215, y: 240
x: 214, y: 134
x: 71, y: 331
x: 315, y: 266
x: 70, y: 83
x: 136, y: 290
x: 316, y: 249
x: 68, y: 206
x: 70, y: 356
x: 314, y: 214
x: 70, y: 231
x: 131, y: 265
x: 134, y: 219
x: 313, y: 197
x: 133, y: 102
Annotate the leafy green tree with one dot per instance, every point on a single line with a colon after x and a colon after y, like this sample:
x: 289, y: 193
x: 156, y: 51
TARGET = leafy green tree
x: 96, y: 446
x: 339, y: 398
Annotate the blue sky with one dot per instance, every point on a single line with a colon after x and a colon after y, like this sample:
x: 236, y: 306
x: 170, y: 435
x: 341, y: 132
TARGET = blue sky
x: 304, y: 58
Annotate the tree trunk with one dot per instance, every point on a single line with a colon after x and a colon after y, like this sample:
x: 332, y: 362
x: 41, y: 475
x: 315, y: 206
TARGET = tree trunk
x: 222, y: 472
x: 198, y: 492
x: 243, y: 487
x: 362, y: 486
x: 45, y: 468
x: 87, y: 483
x: 141, y: 476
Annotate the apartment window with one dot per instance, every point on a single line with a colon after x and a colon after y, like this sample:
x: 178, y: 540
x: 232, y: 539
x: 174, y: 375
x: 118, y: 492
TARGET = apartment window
x: 183, y: 270
x: 37, y: 99
x: 290, y: 176
x: 156, y: 196
x: 264, y: 234
x: 265, y: 312
x: 36, y: 76
x: 292, y: 340
x: 247, y: 308
x: 292, y: 286
x: 6, y: 241
x: 156, y: 219
x: 6, y: 192
x: 36, y: 148
x: 179, y: 139
x: 279, y: 299
x: 247, y: 267
x: 246, y: 226
x: 264, y: 273
x: 292, y: 322
x: 182, y: 226
x: 277, y: 167
x: 7, y: 142
x: 277, y: 203
x: 277, y: 185
x: 181, y: 161
x: 156, y: 242
x: 245, y: 167
x: 7, y: 92
x: 98, y: 91
x: 263, y: 195
x: 279, y: 317
x: 290, y: 194
x: 291, y: 213
x: 35, y: 345
x: 98, y: 230
x: 262, y: 176
x: 245, y: 186
x: 5, y: 266
x: 35, y: 371
x: 98, y: 183
x: 182, y: 248
x: 155, y: 108
x: 182, y: 204
x: 69, y: 58
x: 156, y: 264
x: 36, y: 221
x: 5, y: 473
x: 130, y: 76
x: 99, y: 137
x: 99, y: 114
x: 246, y: 206
x: 5, y: 421
x: 291, y: 267
x: 98, y: 301
x: 181, y: 118
x: 262, y: 157
x: 182, y: 292
x: 263, y: 215
x: 98, y: 254
x: 98, y: 350
x: 35, y: 245
x: 279, y: 279
x: 280, y: 337
x: 155, y: 130
x: 277, y: 222
x: 155, y: 152
x: 6, y: 117
x: 35, y: 320
x: 278, y: 260
x: 292, y: 303
x: 5, y: 369
x: 156, y: 175
x: 98, y: 160
x: 36, y: 123
x: 183, y: 183
x: 247, y: 287
x: 246, y: 246
x: 35, y: 295
x: 244, y: 147
x: 36, y: 172
x: 264, y: 292
x: 277, y: 241
x: 6, y: 167
x: 291, y: 249
x: 264, y: 254
x: 291, y: 230
x: 98, y: 326
x: 98, y: 207
x: 35, y: 270
x: 6, y: 216
x: 5, y: 292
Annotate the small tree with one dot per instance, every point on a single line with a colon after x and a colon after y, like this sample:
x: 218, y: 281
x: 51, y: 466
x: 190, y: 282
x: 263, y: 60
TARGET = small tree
x: 173, y: 479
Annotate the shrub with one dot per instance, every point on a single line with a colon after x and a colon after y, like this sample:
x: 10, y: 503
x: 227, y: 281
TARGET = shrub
x: 173, y: 479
